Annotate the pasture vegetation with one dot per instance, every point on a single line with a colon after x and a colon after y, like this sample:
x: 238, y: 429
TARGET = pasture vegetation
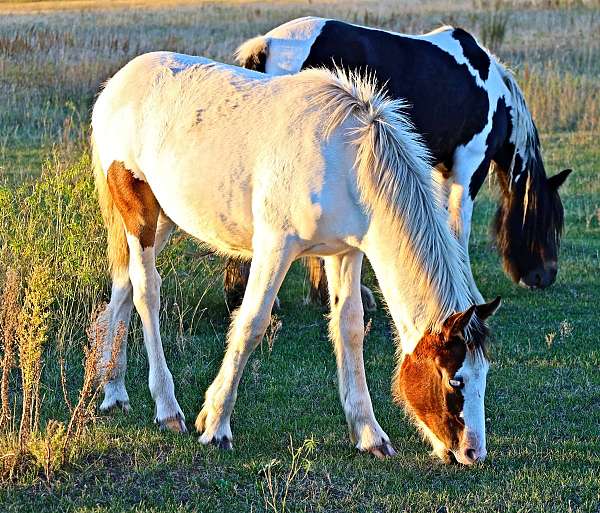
x: 291, y: 448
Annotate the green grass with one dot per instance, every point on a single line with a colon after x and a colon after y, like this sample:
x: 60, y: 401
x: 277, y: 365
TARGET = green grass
x: 543, y: 399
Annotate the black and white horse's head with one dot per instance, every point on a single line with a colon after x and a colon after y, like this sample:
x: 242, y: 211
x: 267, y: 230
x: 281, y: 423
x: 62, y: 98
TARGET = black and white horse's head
x: 529, y: 221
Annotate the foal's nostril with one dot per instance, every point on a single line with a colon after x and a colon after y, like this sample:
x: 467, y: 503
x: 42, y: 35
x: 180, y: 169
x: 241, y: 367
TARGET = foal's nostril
x: 471, y: 454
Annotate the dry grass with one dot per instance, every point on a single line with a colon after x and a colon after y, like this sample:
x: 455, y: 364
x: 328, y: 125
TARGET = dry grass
x: 561, y: 100
x: 9, y: 315
x: 27, y: 446
x: 54, y: 65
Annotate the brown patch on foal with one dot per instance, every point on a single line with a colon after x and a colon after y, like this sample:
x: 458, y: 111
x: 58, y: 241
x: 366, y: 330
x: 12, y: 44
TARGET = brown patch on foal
x: 135, y: 202
x: 422, y: 384
x: 422, y: 381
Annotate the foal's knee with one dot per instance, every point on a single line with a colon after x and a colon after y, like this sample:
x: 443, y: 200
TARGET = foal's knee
x: 347, y: 322
x: 253, y: 329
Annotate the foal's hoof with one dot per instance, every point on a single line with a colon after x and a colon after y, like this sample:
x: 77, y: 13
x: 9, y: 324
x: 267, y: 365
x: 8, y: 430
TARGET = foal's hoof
x: 221, y: 443
x: 383, y: 451
x: 106, y: 408
x: 220, y: 438
x: 175, y: 424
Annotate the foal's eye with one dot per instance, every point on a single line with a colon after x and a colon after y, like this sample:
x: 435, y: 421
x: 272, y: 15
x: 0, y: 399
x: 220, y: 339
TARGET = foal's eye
x: 457, y: 382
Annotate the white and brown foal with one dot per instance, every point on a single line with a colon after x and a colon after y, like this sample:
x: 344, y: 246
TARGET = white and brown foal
x: 274, y: 169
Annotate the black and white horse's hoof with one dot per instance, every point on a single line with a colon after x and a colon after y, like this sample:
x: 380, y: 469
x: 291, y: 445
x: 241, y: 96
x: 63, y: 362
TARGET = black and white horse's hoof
x: 368, y: 299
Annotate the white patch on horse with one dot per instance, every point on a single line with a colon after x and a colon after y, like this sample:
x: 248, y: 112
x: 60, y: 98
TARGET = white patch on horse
x: 474, y: 373
x: 287, y: 53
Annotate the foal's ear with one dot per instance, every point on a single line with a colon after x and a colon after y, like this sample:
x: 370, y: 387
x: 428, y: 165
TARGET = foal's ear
x: 488, y: 309
x: 558, y: 179
x: 456, y: 323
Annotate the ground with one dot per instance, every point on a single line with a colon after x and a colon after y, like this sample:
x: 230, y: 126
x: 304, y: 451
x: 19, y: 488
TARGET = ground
x: 543, y: 399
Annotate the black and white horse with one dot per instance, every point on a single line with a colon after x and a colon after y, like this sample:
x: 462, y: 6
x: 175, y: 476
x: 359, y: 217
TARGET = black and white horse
x: 470, y: 111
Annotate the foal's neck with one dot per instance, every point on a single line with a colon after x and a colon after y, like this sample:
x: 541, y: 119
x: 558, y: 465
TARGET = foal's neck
x: 414, y: 308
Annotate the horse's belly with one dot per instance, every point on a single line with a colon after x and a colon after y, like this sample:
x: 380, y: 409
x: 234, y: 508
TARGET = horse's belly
x: 215, y: 210
x: 224, y: 233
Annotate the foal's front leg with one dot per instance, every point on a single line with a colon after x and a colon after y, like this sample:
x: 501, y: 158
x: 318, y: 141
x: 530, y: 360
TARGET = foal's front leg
x: 346, y: 329
x: 270, y: 263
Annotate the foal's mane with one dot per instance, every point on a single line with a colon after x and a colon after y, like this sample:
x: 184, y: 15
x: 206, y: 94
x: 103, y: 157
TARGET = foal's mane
x: 396, y: 185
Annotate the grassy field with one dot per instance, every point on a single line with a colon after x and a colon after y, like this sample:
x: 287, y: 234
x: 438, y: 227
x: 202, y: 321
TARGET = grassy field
x: 291, y: 447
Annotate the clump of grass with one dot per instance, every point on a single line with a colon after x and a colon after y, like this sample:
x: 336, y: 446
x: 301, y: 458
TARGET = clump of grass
x: 32, y: 331
x: 279, y: 479
x: 550, y: 337
x: 60, y: 442
x: 9, y: 314
x: 493, y: 29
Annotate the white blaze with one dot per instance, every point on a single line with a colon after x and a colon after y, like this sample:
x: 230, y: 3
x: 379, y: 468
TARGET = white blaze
x: 474, y: 373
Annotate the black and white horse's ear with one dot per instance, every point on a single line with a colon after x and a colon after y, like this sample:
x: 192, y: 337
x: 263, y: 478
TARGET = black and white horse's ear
x: 558, y: 179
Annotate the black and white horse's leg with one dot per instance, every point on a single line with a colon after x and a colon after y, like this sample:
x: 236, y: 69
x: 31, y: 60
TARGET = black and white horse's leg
x: 346, y: 329
x: 319, y: 292
x: 273, y: 255
x: 119, y: 312
x: 468, y: 166
x: 235, y: 279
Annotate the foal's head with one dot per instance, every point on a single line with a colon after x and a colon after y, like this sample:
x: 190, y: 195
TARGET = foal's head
x: 442, y: 385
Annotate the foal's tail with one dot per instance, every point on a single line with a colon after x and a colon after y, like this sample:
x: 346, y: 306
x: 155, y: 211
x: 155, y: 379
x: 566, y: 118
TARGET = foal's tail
x: 118, y: 251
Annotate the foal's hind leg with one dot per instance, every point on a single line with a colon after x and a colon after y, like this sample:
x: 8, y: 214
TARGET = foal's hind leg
x: 140, y: 212
x: 271, y: 261
x: 346, y: 329
x: 118, y: 312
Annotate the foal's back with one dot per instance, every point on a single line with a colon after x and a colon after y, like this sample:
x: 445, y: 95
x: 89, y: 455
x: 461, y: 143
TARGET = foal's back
x: 224, y: 149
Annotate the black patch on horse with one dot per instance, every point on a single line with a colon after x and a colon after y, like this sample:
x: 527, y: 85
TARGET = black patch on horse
x: 476, y: 56
x: 447, y: 106
x: 494, y: 141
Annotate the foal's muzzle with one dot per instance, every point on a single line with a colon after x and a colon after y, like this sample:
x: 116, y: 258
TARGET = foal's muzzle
x: 470, y: 455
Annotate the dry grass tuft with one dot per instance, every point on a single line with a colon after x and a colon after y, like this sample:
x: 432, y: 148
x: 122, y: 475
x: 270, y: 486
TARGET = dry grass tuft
x: 561, y: 100
x: 280, y: 480
x: 9, y: 314
x: 59, y: 442
x: 31, y: 337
